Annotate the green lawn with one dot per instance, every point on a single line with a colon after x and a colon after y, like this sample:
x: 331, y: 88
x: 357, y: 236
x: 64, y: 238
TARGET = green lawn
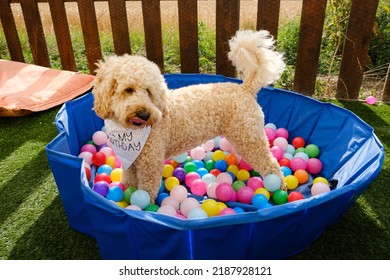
x: 33, y: 223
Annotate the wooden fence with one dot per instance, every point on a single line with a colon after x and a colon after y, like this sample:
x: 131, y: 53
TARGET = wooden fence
x: 361, y: 21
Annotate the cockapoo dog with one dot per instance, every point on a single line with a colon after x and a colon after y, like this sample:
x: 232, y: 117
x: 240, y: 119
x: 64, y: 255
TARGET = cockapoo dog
x: 131, y: 91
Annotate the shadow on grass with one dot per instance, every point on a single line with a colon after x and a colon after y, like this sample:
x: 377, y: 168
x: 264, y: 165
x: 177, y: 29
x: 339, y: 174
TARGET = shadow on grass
x: 51, y: 238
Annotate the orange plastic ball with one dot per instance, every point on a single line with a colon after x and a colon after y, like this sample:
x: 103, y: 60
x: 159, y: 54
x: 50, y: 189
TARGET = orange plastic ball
x: 302, y: 176
x: 231, y: 159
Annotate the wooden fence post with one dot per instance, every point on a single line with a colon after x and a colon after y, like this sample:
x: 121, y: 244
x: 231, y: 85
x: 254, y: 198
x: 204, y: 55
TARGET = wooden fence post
x: 357, y: 42
x: 268, y: 16
x: 309, y: 45
x: 386, y: 89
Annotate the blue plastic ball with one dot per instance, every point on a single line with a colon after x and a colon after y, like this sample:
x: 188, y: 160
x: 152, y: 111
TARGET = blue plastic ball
x: 105, y: 168
x: 286, y: 171
x: 161, y: 197
x: 198, y: 163
x: 259, y: 200
x: 272, y: 182
x: 140, y: 198
x: 239, y: 210
x: 202, y: 171
x: 221, y: 165
x: 115, y: 193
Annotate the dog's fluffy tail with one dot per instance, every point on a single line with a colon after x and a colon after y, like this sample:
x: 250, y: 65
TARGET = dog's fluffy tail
x: 253, y: 55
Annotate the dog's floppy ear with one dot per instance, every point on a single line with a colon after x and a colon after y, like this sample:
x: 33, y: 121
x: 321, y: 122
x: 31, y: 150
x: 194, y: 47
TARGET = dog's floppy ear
x: 103, y: 88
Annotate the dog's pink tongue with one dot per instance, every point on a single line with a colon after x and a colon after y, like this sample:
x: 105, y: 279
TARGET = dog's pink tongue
x: 137, y: 121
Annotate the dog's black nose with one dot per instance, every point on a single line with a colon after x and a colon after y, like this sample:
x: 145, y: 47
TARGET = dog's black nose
x: 143, y: 115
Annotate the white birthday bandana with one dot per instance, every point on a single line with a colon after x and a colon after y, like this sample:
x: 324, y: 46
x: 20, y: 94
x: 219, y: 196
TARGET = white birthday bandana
x: 127, y: 143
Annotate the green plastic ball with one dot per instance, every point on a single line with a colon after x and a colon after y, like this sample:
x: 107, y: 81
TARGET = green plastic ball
x: 238, y: 185
x: 280, y: 197
x: 152, y: 208
x: 127, y: 194
x: 209, y: 165
x: 312, y: 150
x: 190, y: 167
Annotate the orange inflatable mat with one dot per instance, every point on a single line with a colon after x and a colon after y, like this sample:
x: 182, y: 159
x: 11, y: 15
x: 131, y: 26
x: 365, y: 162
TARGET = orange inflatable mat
x: 27, y: 88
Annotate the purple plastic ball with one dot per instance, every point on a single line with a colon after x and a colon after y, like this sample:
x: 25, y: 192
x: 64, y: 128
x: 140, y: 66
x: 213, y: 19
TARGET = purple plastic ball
x: 101, y: 187
x: 179, y: 173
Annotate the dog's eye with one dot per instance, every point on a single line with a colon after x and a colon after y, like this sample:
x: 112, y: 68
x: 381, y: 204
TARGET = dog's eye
x: 129, y: 90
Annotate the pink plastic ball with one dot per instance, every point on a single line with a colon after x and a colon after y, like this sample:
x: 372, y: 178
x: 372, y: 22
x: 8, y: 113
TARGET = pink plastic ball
x: 314, y: 166
x: 371, y: 100
x: 224, y: 191
x: 245, y: 194
x: 208, y: 145
x: 107, y: 151
x: 133, y: 207
x: 234, y: 197
x: 227, y: 211
x: 179, y: 193
x: 244, y: 165
x: 282, y: 132
x: 255, y: 183
x: 298, y: 163
x: 225, y: 145
x: 277, y: 152
x: 224, y: 177
x: 271, y: 134
x: 211, y: 190
x: 190, y: 177
x: 198, y: 187
x: 187, y: 204
x: 88, y: 148
x: 87, y: 156
x: 167, y: 210
x: 171, y: 201
x: 319, y: 188
x: 99, y: 138
x: 280, y: 142
x: 198, y: 153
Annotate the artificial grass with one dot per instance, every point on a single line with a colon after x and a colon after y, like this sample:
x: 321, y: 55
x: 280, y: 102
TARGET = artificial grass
x: 33, y: 223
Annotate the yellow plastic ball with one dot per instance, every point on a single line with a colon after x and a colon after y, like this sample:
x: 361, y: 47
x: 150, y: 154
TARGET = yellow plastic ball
x: 291, y: 182
x: 218, y: 155
x: 210, y: 206
x: 263, y: 191
x: 168, y: 171
x: 320, y: 180
x: 221, y: 206
x: 233, y: 169
x: 111, y: 161
x: 116, y: 175
x: 243, y: 175
x: 122, y: 204
x: 171, y: 182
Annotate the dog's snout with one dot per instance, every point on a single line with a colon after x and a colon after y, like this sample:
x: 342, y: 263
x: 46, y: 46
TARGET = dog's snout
x: 143, y: 115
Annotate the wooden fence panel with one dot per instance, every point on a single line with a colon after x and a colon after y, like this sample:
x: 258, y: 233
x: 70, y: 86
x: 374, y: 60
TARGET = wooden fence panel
x: 188, y: 30
x: 36, y: 37
x: 227, y: 23
x: 119, y: 26
x: 357, y: 42
x: 309, y: 45
x: 268, y: 16
x: 10, y: 31
x: 153, y: 33
x: 62, y: 33
x: 90, y: 32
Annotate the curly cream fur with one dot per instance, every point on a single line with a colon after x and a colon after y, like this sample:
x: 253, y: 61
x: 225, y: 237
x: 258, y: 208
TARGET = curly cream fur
x: 184, y: 118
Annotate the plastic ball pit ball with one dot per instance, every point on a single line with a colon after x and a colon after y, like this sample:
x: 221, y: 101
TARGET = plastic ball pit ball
x: 115, y: 193
x: 179, y: 193
x: 227, y: 211
x: 264, y: 192
x: 298, y: 163
x: 179, y: 173
x: 101, y: 187
x: 98, y: 159
x: 291, y: 182
x: 190, y: 177
x: 88, y: 148
x: 196, y: 213
x: 255, y: 182
x: 272, y: 182
x: 259, y: 200
x: 151, y: 208
x: 167, y: 171
x: 170, y: 200
x: 280, y: 197
x: 312, y: 150
x: 198, y: 187
x: 314, y: 166
x: 298, y: 142
x: 198, y: 153
x: 294, y: 196
x: 116, y: 174
x: 319, y: 188
x: 371, y: 100
x: 99, y: 138
x: 190, y: 167
x: 171, y: 182
x: 210, y: 206
x: 102, y: 177
x: 127, y: 194
x: 243, y: 175
x: 187, y: 205
x: 167, y: 210
x: 301, y: 175
x: 140, y: 198
x: 320, y: 179
x: 245, y: 195
x: 161, y: 197
x: 224, y: 191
